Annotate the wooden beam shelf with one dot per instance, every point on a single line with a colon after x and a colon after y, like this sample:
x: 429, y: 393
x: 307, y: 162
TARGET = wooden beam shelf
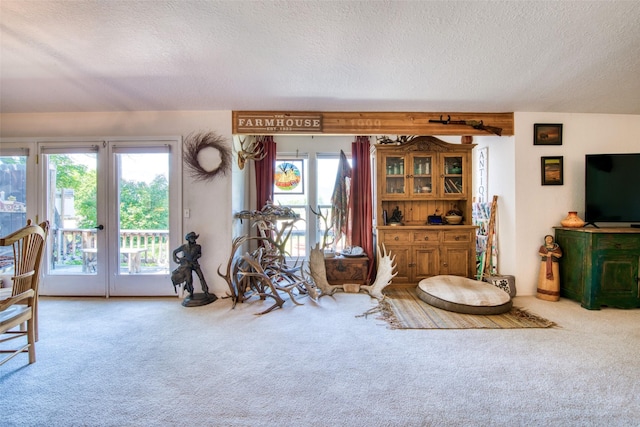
x: 366, y: 123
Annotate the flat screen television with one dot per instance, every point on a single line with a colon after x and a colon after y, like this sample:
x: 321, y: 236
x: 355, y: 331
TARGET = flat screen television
x: 612, y: 188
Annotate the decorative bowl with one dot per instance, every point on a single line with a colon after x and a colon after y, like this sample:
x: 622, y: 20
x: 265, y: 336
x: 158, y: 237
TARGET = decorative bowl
x: 453, y: 219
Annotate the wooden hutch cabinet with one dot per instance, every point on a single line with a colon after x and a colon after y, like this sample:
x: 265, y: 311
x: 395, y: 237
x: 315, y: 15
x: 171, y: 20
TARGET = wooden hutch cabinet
x: 600, y: 266
x: 425, y: 177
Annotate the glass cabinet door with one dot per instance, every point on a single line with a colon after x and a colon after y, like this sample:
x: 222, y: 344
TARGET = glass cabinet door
x: 395, y: 182
x: 452, y: 176
x: 422, y: 170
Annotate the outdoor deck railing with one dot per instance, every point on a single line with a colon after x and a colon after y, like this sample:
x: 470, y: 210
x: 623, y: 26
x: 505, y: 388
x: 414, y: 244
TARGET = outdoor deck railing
x: 69, y: 243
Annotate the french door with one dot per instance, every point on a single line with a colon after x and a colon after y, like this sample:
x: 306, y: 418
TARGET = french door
x: 112, y: 223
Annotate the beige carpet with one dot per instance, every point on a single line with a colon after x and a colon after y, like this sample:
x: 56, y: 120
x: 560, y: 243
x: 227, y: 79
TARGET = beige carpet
x: 402, y: 309
x: 147, y: 362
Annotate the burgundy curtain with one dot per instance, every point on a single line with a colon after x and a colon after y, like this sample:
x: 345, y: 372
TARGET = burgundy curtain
x: 265, y: 172
x: 361, y: 200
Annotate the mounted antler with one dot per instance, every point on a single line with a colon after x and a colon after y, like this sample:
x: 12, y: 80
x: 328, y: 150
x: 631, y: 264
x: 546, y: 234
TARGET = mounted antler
x: 253, y: 151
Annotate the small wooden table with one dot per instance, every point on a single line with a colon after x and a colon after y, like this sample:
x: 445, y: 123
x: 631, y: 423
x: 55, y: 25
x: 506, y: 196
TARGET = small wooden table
x: 341, y: 270
x: 134, y: 256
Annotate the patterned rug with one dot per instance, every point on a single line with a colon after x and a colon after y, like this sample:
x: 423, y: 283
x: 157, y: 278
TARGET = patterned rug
x: 402, y: 309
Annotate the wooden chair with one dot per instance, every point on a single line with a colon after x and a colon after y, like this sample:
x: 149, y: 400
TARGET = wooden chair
x: 21, y: 308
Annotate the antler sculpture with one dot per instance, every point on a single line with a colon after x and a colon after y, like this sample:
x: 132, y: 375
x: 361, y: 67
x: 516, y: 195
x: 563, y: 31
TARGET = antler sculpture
x: 386, y: 267
x: 384, y: 276
x: 318, y: 272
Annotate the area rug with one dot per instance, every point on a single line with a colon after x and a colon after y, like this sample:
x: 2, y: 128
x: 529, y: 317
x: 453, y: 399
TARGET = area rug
x: 402, y: 309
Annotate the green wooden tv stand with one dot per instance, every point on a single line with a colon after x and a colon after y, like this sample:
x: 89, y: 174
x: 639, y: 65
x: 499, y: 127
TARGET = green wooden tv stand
x: 599, y: 266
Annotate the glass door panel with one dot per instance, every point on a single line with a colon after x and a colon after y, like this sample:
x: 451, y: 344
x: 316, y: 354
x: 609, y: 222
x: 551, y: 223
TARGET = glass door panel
x: 72, y: 201
x: 112, y: 225
x: 394, y: 177
x: 74, y: 262
x: 453, y: 175
x: 142, y: 218
x: 422, y: 169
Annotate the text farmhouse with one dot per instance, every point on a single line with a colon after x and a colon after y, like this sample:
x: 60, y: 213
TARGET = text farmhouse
x: 279, y: 123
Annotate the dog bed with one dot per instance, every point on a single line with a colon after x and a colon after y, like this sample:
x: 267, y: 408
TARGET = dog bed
x: 463, y: 295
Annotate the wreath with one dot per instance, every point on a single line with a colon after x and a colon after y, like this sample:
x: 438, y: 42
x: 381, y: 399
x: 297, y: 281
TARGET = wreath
x: 195, y: 143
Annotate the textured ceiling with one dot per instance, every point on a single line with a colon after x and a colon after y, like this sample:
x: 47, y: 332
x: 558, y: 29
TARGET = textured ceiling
x: 111, y: 55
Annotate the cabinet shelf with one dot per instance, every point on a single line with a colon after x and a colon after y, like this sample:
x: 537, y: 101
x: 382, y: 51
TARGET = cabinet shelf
x: 436, y: 177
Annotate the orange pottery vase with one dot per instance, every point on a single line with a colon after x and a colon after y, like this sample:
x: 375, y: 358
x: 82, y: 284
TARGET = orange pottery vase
x: 572, y: 221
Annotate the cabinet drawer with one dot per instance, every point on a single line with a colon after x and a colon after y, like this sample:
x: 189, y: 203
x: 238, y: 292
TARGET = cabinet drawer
x: 425, y: 236
x: 455, y: 236
x: 394, y: 237
x: 617, y: 242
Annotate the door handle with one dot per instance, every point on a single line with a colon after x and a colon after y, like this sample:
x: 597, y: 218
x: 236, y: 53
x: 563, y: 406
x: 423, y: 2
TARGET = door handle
x: 99, y: 227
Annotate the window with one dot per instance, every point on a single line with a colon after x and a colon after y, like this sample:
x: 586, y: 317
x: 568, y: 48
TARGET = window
x: 13, y: 190
x: 317, y: 180
x: 13, y: 198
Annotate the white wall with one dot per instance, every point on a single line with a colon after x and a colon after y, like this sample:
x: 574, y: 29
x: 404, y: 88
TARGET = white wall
x: 539, y: 208
x: 501, y: 169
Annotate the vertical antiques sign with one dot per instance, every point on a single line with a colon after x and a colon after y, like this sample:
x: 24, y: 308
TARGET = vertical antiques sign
x: 482, y: 167
x: 277, y: 122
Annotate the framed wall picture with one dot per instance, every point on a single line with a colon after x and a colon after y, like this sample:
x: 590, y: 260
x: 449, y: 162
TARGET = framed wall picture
x: 547, y: 134
x: 288, y: 177
x: 552, y: 170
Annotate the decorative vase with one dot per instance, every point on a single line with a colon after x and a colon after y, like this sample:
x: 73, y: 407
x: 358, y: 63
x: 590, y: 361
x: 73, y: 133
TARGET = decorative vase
x: 572, y: 220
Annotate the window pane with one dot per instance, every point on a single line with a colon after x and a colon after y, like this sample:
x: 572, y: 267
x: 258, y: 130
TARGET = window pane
x: 297, y: 242
x: 327, y: 169
x: 13, y: 207
x: 13, y: 193
x: 291, y: 189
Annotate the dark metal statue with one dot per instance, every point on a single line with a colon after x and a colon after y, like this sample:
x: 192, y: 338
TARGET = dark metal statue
x: 187, y: 256
x: 396, y: 216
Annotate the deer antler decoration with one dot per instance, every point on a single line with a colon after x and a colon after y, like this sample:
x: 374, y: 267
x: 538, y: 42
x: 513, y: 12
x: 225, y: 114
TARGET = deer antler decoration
x: 253, y: 151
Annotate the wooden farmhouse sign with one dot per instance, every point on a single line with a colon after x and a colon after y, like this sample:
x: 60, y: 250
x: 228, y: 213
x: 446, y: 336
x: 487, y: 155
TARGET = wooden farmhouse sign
x: 368, y: 123
x: 265, y: 123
